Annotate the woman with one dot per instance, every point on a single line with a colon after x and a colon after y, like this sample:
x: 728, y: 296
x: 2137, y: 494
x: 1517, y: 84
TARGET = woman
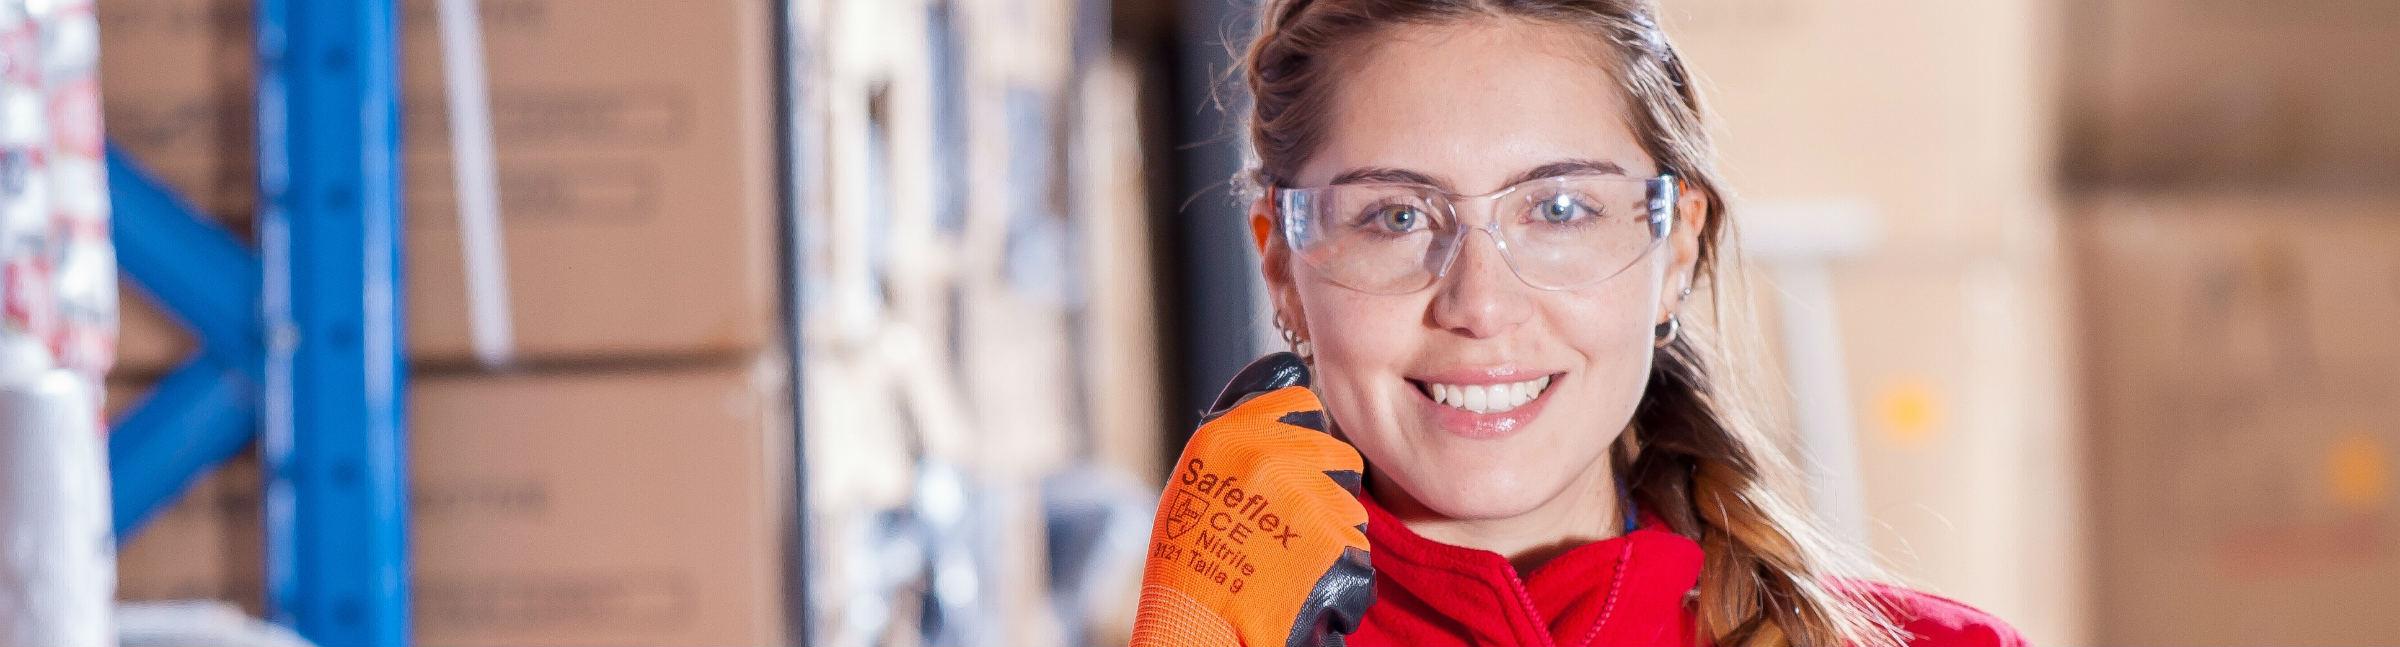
x: 1481, y: 223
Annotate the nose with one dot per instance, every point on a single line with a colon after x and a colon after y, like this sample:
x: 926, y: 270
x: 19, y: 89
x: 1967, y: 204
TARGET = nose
x: 1479, y: 298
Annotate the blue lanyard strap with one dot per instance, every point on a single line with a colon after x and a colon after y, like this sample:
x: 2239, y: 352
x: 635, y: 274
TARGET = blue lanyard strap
x: 1633, y: 514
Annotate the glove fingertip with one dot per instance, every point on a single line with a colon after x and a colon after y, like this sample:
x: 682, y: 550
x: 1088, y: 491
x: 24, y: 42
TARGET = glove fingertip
x: 1305, y: 419
x: 1273, y: 371
x: 1350, y: 480
x: 1338, y: 602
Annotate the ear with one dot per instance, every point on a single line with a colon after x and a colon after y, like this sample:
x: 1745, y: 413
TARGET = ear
x: 1262, y: 225
x: 1275, y: 261
x: 1691, y: 218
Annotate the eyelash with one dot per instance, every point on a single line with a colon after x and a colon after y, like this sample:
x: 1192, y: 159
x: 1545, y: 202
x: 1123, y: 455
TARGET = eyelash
x: 1594, y: 213
x: 1373, y: 211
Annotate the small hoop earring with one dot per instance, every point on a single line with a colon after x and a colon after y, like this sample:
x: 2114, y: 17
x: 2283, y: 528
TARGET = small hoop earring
x: 1665, y: 333
x: 1299, y: 345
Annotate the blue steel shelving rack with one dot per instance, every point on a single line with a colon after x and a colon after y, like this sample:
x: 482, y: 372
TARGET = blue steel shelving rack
x: 301, y: 338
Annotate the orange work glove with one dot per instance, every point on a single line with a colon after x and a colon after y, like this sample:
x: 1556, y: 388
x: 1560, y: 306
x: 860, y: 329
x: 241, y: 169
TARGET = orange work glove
x: 1260, y: 540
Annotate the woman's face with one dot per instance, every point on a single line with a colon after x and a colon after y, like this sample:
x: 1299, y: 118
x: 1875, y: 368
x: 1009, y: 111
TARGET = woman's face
x: 1470, y: 105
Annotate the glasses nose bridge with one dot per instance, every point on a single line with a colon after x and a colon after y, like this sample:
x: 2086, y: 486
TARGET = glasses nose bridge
x: 1489, y: 216
x: 1489, y: 224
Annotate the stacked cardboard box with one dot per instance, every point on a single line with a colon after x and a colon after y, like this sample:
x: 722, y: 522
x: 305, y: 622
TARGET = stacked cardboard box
x: 2236, y: 255
x: 979, y: 318
x: 1891, y: 161
x: 1934, y: 117
x: 635, y: 507
x: 942, y: 333
x: 629, y: 484
x: 2204, y: 93
x: 2245, y: 382
x: 980, y: 322
x: 635, y: 162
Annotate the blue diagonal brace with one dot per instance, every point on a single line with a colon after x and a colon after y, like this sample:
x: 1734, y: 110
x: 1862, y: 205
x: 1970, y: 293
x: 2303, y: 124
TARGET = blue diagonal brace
x: 205, y: 278
x: 197, y: 417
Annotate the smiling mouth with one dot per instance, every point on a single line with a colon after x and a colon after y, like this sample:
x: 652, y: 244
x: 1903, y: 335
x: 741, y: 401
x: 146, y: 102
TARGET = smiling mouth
x: 1485, y: 398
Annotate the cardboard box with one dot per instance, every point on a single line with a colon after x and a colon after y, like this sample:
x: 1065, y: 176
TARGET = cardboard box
x: 1960, y: 470
x: 1903, y: 152
x: 1957, y: 377
x: 1120, y: 340
x: 2205, y: 94
x: 2244, y: 381
x: 1933, y: 119
x: 641, y: 508
x: 208, y: 545
x: 635, y: 161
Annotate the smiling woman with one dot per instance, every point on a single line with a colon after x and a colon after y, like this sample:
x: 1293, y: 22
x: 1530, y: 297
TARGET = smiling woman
x: 1550, y: 456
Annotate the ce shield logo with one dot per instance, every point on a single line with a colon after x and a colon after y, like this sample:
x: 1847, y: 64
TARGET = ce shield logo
x: 1183, y: 513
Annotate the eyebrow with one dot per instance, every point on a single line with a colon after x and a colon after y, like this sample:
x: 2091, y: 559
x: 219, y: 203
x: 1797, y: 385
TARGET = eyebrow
x: 1377, y: 174
x: 1567, y: 167
x: 1382, y: 174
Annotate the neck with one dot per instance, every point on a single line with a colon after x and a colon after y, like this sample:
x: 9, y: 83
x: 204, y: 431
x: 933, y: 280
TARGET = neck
x: 1584, y: 512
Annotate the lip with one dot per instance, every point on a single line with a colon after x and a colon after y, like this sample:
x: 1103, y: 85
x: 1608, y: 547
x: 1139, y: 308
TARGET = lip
x: 1482, y: 376
x: 1482, y: 426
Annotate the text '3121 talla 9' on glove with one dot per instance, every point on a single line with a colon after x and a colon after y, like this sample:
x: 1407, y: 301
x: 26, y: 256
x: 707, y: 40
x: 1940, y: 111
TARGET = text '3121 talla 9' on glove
x: 1260, y: 540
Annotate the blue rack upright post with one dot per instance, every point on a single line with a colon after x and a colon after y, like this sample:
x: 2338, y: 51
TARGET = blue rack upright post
x: 329, y: 184
x: 303, y: 336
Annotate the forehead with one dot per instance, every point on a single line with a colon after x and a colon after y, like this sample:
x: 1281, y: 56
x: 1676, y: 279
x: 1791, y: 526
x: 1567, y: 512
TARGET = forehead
x: 1473, y: 103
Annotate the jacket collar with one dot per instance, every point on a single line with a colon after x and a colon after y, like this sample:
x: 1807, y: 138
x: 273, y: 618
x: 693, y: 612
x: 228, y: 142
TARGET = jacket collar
x: 1626, y: 590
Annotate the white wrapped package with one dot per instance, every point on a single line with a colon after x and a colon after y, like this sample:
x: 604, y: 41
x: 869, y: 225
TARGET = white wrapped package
x: 57, y: 555
x: 57, y: 266
x: 197, y: 623
x: 57, y: 318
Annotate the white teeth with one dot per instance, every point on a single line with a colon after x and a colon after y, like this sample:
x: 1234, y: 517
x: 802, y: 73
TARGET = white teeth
x: 1488, y: 398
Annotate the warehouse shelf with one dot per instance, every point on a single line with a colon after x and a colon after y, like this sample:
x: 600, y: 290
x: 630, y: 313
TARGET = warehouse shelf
x: 301, y: 341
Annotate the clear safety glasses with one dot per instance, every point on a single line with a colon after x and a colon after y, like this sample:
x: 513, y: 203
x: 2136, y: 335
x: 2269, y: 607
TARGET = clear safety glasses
x: 1556, y: 233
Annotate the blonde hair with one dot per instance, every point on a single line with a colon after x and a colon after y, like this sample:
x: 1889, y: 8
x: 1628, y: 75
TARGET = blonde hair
x: 1695, y: 454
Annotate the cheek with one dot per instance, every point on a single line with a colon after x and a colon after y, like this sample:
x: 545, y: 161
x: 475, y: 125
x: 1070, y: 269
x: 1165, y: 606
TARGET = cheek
x: 1610, y: 328
x: 1610, y: 325
x: 1359, y: 341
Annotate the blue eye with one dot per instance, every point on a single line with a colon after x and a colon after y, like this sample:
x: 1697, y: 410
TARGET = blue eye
x: 1561, y: 210
x: 1398, y: 218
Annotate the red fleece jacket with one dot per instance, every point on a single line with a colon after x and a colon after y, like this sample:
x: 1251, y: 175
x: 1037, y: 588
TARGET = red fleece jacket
x: 1622, y: 592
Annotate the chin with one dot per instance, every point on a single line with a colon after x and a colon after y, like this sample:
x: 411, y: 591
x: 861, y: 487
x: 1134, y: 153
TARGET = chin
x: 1482, y: 492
